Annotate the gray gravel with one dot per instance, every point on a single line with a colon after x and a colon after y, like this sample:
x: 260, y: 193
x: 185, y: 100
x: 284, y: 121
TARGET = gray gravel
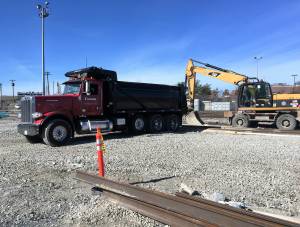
x: 37, y: 185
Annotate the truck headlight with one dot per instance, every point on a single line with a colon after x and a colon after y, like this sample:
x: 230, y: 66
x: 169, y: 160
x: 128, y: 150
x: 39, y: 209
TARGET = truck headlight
x: 36, y: 115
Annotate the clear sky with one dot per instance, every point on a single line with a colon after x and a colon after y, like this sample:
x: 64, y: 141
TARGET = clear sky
x: 149, y: 41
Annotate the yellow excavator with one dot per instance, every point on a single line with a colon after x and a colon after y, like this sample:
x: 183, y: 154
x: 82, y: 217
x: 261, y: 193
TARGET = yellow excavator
x: 256, y: 102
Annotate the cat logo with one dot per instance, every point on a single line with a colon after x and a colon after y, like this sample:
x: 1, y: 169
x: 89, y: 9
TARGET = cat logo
x: 214, y: 74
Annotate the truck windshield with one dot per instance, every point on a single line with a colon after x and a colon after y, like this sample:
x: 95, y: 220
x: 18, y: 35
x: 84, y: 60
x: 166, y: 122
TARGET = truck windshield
x: 72, y: 88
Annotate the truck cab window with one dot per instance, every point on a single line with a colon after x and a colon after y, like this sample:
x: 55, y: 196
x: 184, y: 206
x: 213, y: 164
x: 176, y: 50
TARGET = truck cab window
x: 71, y: 88
x: 94, y: 89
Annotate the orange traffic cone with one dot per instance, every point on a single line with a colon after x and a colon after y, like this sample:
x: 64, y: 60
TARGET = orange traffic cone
x: 99, y: 144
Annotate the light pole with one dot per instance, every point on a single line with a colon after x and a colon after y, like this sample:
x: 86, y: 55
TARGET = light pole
x: 295, y: 75
x: 257, y: 59
x: 47, y: 83
x: 43, y: 13
x: 13, y: 88
x: 0, y: 96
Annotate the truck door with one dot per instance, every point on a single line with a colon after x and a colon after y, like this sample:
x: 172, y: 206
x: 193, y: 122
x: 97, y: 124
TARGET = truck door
x: 91, y: 103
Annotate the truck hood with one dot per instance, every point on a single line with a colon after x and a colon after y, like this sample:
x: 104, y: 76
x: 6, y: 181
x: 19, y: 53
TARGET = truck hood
x: 54, y: 103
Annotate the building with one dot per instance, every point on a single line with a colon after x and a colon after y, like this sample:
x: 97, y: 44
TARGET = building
x: 282, y: 88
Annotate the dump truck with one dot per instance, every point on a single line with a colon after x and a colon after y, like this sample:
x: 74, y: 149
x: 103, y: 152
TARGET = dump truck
x: 93, y: 97
x: 256, y: 101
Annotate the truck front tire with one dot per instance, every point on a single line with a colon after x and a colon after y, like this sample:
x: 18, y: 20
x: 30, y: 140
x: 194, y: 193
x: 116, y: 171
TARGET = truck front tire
x: 286, y: 122
x: 57, y: 133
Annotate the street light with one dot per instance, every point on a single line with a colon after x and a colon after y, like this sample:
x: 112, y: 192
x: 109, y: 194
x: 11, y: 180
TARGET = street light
x: 43, y: 13
x: 257, y: 59
x: 295, y: 75
x: 13, y: 88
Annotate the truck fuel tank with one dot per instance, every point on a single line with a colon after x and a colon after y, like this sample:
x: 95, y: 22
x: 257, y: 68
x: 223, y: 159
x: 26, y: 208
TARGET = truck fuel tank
x: 92, y: 125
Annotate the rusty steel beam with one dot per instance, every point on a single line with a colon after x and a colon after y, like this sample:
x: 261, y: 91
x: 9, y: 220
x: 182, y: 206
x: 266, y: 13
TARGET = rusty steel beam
x: 156, y: 213
x: 234, y: 212
x: 206, y: 212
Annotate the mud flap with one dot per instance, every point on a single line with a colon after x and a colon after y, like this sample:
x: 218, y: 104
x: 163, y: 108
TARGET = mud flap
x: 193, y: 118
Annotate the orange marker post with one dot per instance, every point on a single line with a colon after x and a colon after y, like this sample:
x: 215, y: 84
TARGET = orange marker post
x: 99, y: 141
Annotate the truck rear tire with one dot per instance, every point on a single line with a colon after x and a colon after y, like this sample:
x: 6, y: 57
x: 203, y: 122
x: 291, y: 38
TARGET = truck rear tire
x: 57, y: 133
x: 33, y: 139
x: 138, y: 124
x: 156, y: 123
x: 286, y: 122
x: 172, y: 122
x: 240, y: 121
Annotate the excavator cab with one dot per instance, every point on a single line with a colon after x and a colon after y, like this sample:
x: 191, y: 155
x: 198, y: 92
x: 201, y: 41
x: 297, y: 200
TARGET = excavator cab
x: 256, y: 94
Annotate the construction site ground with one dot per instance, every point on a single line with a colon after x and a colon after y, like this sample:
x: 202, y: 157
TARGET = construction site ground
x: 37, y: 185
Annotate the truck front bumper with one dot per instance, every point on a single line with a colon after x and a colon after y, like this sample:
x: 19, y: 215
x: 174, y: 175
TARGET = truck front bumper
x: 28, y: 129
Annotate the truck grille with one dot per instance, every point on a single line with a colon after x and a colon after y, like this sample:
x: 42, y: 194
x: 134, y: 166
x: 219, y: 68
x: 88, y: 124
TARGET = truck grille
x: 27, y: 108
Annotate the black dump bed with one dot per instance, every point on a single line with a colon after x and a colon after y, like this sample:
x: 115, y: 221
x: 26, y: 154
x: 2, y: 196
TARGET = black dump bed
x: 122, y: 96
x: 130, y: 96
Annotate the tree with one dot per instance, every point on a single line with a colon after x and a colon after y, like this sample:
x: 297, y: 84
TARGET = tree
x: 215, y: 94
x: 180, y: 84
x: 202, y: 91
x: 226, y: 93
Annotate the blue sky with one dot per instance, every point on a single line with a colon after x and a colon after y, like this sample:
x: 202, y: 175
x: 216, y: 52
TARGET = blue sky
x: 149, y: 41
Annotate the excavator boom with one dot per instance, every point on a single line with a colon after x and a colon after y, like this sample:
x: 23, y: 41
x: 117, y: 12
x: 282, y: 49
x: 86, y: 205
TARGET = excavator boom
x: 209, y: 71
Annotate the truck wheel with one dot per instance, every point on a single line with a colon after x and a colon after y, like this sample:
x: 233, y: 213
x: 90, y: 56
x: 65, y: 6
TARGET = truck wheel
x: 156, y: 123
x: 33, y: 139
x: 172, y: 122
x: 138, y: 124
x: 240, y: 121
x: 286, y: 122
x: 57, y: 133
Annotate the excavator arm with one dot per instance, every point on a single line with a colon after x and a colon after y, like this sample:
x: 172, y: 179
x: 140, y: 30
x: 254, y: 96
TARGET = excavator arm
x: 209, y: 71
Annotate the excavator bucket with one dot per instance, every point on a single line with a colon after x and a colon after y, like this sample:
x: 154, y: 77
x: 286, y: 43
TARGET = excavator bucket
x: 193, y: 118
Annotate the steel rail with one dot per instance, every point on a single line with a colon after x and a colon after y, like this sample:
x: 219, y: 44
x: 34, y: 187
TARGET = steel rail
x: 209, y: 212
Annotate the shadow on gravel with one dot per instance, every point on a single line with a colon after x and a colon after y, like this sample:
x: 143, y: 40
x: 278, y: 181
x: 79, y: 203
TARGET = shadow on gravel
x: 152, y: 181
x: 91, y: 138
x: 82, y: 139
x: 194, y: 128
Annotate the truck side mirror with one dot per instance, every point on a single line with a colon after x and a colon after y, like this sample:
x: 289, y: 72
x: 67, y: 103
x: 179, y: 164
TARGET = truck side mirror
x: 87, y: 88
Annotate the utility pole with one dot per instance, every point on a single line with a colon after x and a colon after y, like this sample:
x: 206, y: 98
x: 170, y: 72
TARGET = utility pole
x: 13, y: 88
x: 58, y: 88
x: 53, y: 87
x: 257, y: 60
x: 0, y: 96
x: 43, y: 13
x: 295, y: 75
x: 47, y: 82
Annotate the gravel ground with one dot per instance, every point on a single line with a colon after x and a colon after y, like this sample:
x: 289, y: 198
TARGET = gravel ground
x: 37, y: 185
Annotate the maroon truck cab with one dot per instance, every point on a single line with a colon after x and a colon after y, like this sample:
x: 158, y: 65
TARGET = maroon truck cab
x: 94, y: 98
